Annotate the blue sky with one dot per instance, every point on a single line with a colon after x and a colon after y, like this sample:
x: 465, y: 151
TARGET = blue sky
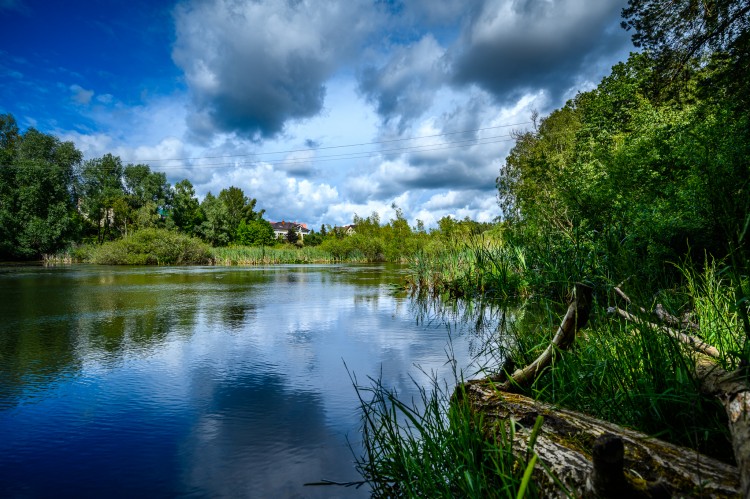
x: 319, y: 109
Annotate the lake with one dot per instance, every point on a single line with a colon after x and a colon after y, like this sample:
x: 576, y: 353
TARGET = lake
x: 203, y: 381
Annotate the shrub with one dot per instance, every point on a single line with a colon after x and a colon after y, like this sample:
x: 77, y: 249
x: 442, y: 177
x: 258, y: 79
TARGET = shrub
x: 152, y: 247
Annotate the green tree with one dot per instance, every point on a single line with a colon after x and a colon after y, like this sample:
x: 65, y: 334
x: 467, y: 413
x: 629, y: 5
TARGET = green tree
x: 314, y: 238
x: 41, y: 188
x: 186, y: 211
x: 292, y: 236
x: 215, y: 228
x: 142, y: 185
x: 255, y: 233
x: 239, y: 207
x: 100, y: 187
x: 9, y: 138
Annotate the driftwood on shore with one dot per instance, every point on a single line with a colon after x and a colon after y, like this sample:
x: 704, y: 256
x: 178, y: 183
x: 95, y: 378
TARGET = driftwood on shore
x: 599, y: 459
x: 575, y: 318
x: 568, y: 442
x: 731, y: 388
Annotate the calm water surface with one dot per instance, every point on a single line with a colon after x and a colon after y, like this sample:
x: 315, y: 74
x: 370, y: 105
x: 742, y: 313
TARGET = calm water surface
x: 204, y: 382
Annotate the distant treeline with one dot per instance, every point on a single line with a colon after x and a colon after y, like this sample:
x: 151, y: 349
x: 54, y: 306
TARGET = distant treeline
x: 51, y: 200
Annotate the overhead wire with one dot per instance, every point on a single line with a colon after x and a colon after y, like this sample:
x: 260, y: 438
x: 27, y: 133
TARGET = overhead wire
x: 345, y: 156
x: 340, y: 146
x: 354, y: 155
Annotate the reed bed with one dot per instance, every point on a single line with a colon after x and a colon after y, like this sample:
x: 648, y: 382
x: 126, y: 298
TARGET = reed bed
x: 259, y: 255
x: 481, y: 267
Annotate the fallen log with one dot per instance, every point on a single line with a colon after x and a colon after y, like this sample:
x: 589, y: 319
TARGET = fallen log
x: 692, y: 341
x: 575, y: 319
x: 569, y: 443
x: 731, y: 389
x: 661, y: 313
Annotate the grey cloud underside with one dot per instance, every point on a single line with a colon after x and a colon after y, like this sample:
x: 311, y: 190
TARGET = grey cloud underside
x: 507, y: 48
x: 530, y: 45
x: 251, y: 67
x: 403, y: 88
x: 423, y: 175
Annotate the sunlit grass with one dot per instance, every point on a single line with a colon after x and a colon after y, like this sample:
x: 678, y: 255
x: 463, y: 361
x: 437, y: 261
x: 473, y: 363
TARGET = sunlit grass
x: 436, y: 446
x: 258, y: 255
x: 480, y: 267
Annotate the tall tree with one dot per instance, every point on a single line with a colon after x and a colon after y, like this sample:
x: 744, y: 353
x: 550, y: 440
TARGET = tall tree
x: 142, y: 185
x: 9, y: 138
x: 148, y: 193
x: 100, y: 188
x: 36, y: 197
x: 186, y: 212
x: 239, y: 208
x: 216, y: 227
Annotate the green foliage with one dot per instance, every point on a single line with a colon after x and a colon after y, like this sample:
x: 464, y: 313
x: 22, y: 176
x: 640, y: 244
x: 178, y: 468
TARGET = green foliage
x: 216, y: 228
x: 314, y: 238
x: 621, y: 181
x: 255, y: 233
x: 292, y: 236
x: 186, y: 211
x: 36, y: 198
x: 150, y: 247
x: 436, y: 447
x: 239, y: 207
x: 371, y: 241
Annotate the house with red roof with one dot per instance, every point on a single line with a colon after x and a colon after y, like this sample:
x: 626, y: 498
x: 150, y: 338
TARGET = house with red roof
x: 280, y: 229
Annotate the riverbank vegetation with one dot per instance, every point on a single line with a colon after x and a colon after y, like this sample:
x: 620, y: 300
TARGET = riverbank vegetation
x: 642, y: 182
x: 59, y: 208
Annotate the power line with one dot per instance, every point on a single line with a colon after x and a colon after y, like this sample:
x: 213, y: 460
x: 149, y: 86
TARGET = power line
x: 341, y: 146
x: 350, y: 156
x: 494, y: 139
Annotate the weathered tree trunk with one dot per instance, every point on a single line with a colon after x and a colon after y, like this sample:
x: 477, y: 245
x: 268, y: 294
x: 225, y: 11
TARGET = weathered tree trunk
x: 731, y: 389
x: 570, y: 442
x: 734, y: 393
x: 575, y: 319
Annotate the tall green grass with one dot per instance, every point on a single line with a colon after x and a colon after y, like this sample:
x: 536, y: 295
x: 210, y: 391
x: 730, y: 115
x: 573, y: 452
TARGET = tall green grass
x: 437, y: 447
x: 632, y: 375
x: 714, y: 305
x: 258, y: 255
x: 636, y: 375
x: 479, y: 268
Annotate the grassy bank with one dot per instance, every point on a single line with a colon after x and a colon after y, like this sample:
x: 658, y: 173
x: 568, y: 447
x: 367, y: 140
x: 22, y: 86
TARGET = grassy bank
x: 144, y: 247
x: 165, y: 247
x: 637, y: 377
x: 433, y: 447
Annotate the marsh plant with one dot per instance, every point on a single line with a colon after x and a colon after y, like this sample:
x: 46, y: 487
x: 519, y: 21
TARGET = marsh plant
x: 436, y: 446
